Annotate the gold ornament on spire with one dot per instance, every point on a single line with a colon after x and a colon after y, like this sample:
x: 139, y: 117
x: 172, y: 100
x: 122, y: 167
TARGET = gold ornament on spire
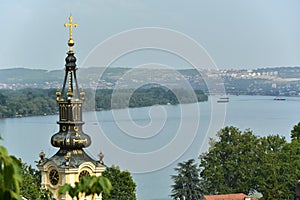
x: 70, y: 25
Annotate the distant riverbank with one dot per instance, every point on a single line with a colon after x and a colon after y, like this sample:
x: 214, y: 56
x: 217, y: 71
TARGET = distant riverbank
x: 37, y: 102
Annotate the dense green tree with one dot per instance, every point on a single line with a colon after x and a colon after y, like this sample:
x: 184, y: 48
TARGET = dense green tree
x: 272, y: 170
x: 10, y: 176
x: 295, y: 133
x: 242, y: 162
x: 187, y: 183
x: 123, y: 186
x: 288, y: 167
x: 229, y: 165
x: 31, y: 184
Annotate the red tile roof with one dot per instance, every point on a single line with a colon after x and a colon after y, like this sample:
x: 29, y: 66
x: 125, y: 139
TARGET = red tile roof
x: 239, y: 196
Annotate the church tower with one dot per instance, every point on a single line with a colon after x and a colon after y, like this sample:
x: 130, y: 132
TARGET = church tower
x: 71, y: 162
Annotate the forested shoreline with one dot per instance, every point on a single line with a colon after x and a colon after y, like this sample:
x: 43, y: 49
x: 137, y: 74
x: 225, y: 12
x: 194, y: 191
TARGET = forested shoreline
x: 33, y: 102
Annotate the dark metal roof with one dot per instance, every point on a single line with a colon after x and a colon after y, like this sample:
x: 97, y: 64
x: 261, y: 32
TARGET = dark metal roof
x: 70, y: 159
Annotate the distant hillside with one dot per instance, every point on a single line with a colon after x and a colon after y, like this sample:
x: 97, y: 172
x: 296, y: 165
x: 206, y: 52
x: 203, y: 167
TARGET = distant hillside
x: 29, y: 76
x: 23, y: 75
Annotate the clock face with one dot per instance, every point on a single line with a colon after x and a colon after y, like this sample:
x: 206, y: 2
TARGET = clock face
x: 84, y: 173
x: 54, y: 177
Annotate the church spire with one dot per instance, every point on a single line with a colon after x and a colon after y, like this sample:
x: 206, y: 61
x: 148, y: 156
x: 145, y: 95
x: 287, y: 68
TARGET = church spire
x: 70, y: 100
x: 70, y: 163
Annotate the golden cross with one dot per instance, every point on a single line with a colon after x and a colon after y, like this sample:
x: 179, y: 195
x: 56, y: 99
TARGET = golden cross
x: 70, y: 24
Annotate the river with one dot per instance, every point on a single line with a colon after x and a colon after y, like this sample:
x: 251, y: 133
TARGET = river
x: 150, y: 141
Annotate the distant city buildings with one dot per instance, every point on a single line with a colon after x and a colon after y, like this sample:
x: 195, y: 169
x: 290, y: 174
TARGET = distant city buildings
x: 283, y: 81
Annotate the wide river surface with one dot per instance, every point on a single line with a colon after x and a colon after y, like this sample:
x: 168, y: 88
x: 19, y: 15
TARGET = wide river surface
x: 149, y: 142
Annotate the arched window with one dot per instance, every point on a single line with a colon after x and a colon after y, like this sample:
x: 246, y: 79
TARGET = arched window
x: 84, y: 173
x: 63, y: 112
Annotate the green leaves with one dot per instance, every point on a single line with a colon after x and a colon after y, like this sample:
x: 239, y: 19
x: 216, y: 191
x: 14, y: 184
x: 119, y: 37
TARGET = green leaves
x: 30, y: 188
x: 229, y: 164
x: 124, y: 187
x: 187, y: 182
x: 18, y: 178
x: 95, y: 185
x: 241, y: 162
x: 10, y: 176
x: 295, y: 133
x: 88, y: 185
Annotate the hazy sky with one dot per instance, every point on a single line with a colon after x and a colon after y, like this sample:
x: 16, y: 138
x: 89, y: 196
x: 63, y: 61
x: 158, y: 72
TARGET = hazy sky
x: 236, y: 34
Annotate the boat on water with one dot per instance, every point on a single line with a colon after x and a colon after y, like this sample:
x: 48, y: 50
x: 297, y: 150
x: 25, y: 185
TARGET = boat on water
x: 279, y: 99
x: 223, y: 100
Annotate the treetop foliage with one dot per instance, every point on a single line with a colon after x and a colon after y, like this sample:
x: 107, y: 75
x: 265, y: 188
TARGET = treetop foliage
x: 187, y: 183
x: 242, y: 162
x: 30, y: 187
x: 123, y: 185
x: 295, y: 133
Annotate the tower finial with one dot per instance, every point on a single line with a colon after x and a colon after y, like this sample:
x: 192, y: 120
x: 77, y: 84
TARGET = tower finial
x: 70, y: 25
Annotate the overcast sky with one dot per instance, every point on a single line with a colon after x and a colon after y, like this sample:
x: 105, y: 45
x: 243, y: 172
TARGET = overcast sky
x: 236, y: 34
